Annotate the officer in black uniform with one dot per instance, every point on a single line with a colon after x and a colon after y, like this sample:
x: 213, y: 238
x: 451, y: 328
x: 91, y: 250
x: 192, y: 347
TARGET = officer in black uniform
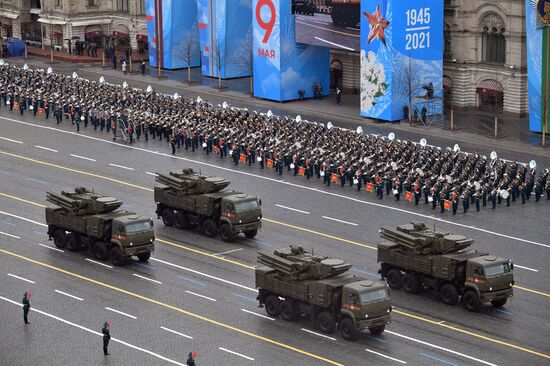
x: 26, y: 307
x: 106, y: 337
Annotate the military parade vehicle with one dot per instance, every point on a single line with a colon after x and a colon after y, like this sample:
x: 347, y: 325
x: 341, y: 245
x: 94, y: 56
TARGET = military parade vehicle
x: 305, y: 7
x: 293, y: 282
x: 416, y: 257
x: 189, y: 199
x: 345, y: 13
x: 84, y: 218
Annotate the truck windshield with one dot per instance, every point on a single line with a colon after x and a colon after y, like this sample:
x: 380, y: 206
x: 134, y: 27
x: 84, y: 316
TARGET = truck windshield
x: 373, y: 295
x: 138, y: 226
x: 497, y: 269
x: 246, y: 206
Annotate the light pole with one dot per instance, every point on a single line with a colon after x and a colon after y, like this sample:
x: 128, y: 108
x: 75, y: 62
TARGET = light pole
x: 547, y: 87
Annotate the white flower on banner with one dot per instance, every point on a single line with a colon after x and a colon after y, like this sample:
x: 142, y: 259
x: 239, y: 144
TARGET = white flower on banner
x: 373, y: 80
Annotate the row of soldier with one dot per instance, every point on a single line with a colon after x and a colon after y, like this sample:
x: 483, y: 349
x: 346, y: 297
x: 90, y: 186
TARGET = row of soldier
x: 442, y: 177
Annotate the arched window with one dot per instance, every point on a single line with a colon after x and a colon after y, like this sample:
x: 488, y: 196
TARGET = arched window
x: 493, y: 42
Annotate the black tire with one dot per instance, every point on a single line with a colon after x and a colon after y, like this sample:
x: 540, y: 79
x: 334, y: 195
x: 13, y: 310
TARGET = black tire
x: 100, y: 250
x: 377, y: 330
x: 73, y: 242
x: 116, y: 257
x: 411, y: 283
x: 288, y: 311
x: 471, y: 301
x: 348, y: 331
x: 272, y: 305
x: 60, y: 238
x: 251, y: 234
x: 326, y: 322
x: 226, y: 233
x: 209, y: 228
x: 499, y: 303
x: 181, y: 220
x: 449, y: 294
x: 168, y: 217
x: 394, y: 279
x: 144, y: 257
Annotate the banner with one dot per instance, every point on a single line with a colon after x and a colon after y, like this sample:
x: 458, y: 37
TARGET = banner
x: 283, y: 69
x: 401, y: 57
x: 225, y: 31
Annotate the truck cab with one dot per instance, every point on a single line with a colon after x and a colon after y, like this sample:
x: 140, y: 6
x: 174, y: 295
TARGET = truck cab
x: 133, y: 234
x: 243, y: 214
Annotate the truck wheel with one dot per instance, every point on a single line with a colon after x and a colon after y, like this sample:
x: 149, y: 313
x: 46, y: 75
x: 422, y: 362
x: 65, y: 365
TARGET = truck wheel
x: 60, y: 238
x: 471, y: 301
x: 209, y: 228
x: 251, y: 234
x: 73, y: 242
x: 394, y: 279
x: 348, y: 331
x: 288, y: 311
x: 168, y: 217
x: 499, y: 303
x: 226, y: 233
x: 116, y: 256
x: 100, y: 250
x: 377, y: 330
x: 411, y: 284
x: 182, y: 220
x: 144, y: 257
x: 272, y: 305
x: 326, y: 322
x: 449, y: 294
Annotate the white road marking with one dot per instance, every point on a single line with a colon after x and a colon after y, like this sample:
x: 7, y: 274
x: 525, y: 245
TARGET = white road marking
x: 82, y: 157
x: 45, y: 148
x: 229, y: 251
x: 199, y: 295
x: 260, y: 315
x: 7, y: 139
x: 354, y: 29
x: 235, y: 353
x: 417, y: 29
x: 527, y: 268
x: 10, y: 235
x: 153, y: 174
x: 52, y: 248
x: 334, y: 44
x: 20, y: 278
x: 23, y: 218
x: 69, y: 295
x: 95, y: 332
x: 328, y: 193
x: 204, y: 274
x: 382, y: 355
x: 120, y: 312
x: 101, y: 264
x: 178, y: 333
x: 318, y: 334
x: 148, y: 279
x: 121, y: 166
x: 341, y: 221
x: 440, y: 348
x: 292, y: 209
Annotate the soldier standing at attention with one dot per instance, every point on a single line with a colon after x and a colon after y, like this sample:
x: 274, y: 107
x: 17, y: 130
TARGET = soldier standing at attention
x: 173, y: 143
x: 190, y: 360
x: 106, y: 338
x: 26, y: 307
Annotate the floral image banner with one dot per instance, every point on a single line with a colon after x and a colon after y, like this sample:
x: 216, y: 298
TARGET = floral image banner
x: 401, y: 56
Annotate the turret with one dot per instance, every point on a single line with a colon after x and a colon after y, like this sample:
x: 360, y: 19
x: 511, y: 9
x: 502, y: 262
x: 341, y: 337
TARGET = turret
x: 416, y: 237
x: 83, y: 201
x: 297, y: 264
x: 188, y: 182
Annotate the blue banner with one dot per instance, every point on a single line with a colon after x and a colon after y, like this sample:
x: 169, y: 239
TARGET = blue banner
x: 401, y: 57
x: 282, y: 67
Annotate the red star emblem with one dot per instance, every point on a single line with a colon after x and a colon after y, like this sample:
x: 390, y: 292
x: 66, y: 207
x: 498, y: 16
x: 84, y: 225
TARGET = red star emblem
x: 377, y: 25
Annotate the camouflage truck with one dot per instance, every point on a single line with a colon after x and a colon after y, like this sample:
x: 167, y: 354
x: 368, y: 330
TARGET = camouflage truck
x: 416, y: 257
x: 84, y: 218
x: 293, y: 283
x: 305, y: 7
x: 189, y: 200
x: 345, y: 13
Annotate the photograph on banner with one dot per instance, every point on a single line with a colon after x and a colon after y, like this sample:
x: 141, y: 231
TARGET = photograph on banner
x: 401, y: 59
x: 328, y: 23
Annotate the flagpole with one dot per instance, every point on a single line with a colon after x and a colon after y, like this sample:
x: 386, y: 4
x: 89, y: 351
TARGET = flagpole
x: 546, y: 30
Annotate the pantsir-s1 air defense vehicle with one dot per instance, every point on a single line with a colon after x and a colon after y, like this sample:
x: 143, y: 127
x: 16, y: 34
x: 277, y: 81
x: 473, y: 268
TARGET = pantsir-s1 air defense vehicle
x: 293, y: 283
x: 86, y: 218
x: 416, y: 257
x: 189, y: 199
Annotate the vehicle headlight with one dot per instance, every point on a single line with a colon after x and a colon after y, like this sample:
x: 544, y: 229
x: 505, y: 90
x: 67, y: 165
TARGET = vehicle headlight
x: 259, y: 218
x: 490, y: 289
x: 151, y: 240
x: 131, y: 243
x: 388, y: 311
x: 366, y: 315
x: 510, y: 285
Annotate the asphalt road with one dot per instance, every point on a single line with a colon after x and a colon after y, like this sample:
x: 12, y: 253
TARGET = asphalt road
x: 196, y: 289
x: 319, y: 30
